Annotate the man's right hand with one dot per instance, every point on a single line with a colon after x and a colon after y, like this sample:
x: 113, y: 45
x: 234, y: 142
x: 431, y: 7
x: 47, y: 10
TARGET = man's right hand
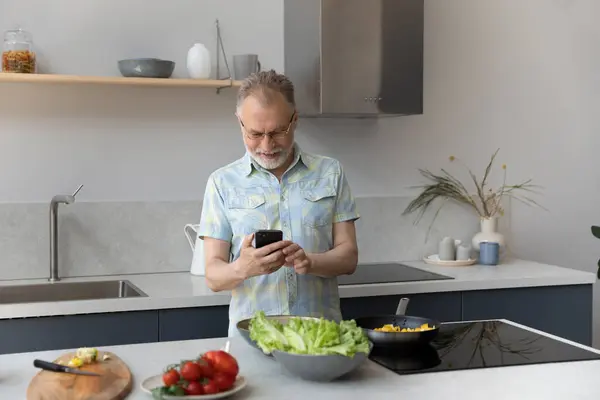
x: 254, y: 262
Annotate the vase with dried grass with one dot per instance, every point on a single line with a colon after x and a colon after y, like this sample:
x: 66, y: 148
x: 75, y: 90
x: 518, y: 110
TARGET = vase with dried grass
x: 486, y: 202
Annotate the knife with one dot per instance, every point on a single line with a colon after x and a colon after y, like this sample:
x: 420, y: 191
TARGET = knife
x: 48, y: 366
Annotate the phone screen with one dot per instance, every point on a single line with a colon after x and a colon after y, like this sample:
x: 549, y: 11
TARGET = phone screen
x: 265, y: 237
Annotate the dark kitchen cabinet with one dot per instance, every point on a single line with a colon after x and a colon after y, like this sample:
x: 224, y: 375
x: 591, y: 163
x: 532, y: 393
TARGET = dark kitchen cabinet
x: 112, y: 329
x: 72, y: 331
x: 564, y: 311
x: 193, y: 323
x: 441, y: 306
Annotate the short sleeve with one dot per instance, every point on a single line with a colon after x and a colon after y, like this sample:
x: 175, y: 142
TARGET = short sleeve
x: 345, y: 205
x: 213, y: 220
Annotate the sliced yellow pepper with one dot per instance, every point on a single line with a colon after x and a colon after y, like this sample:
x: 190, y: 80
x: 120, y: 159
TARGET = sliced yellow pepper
x: 75, y: 362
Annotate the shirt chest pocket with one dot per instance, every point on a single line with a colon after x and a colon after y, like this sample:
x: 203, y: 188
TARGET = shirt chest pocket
x: 318, y: 206
x: 247, y: 211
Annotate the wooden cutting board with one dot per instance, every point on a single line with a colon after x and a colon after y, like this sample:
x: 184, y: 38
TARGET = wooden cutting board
x: 114, y: 384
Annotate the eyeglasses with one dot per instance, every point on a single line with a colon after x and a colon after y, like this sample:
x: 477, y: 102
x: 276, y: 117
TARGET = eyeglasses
x: 273, y: 135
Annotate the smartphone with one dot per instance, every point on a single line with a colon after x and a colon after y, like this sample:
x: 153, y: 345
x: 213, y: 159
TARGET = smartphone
x: 265, y: 237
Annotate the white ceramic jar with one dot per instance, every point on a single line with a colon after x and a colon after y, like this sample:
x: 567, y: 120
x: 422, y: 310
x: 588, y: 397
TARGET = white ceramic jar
x: 489, y: 233
x: 198, y: 62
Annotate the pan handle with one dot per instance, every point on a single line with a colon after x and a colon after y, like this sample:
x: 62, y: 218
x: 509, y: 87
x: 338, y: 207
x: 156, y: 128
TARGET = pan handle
x: 402, y: 305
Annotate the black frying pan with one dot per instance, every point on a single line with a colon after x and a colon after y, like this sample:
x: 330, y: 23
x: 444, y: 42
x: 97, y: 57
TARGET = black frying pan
x: 393, y: 339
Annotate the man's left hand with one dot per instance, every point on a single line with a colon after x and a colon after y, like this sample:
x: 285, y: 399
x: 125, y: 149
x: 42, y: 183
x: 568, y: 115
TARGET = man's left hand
x: 296, y: 257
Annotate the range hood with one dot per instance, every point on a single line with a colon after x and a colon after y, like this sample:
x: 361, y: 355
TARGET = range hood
x: 355, y: 58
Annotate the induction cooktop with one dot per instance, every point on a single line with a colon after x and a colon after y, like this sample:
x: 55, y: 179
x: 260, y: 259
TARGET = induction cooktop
x: 388, y: 273
x: 481, y: 344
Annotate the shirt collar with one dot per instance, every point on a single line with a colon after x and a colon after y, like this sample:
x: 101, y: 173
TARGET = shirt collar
x: 250, y: 165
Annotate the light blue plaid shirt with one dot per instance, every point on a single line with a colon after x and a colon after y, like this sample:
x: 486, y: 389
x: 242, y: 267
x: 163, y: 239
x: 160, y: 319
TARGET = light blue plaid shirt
x: 242, y: 198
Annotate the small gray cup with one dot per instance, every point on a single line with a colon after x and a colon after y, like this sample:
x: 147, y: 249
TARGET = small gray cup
x: 244, y: 65
x: 463, y: 252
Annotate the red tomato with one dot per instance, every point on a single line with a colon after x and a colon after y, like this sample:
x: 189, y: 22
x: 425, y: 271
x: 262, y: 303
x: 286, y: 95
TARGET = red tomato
x: 223, y: 381
x: 207, y: 369
x: 190, y: 371
x: 209, y: 387
x: 222, y: 362
x: 206, y: 358
x: 194, y: 388
x: 171, y: 377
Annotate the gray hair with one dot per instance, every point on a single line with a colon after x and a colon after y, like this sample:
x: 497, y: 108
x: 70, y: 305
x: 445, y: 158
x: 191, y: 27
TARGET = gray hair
x: 264, y: 85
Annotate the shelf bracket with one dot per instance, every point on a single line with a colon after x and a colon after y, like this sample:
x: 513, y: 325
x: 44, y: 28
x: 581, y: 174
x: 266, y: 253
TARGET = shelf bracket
x: 221, y: 49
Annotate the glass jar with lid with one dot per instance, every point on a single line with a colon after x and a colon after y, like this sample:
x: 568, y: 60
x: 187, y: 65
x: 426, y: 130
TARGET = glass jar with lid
x: 18, y: 54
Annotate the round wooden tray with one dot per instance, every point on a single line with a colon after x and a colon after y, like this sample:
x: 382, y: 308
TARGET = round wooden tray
x: 434, y: 259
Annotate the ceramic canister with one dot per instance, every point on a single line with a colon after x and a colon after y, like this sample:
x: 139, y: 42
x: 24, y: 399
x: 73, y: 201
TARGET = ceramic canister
x: 198, y: 62
x: 447, y: 249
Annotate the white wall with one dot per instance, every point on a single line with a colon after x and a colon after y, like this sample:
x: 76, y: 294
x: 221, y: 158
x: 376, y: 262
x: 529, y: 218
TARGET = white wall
x: 522, y: 76
x: 525, y: 77
x: 124, y: 143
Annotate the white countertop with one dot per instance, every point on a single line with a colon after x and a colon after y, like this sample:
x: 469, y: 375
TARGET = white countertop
x: 179, y: 290
x: 266, y: 380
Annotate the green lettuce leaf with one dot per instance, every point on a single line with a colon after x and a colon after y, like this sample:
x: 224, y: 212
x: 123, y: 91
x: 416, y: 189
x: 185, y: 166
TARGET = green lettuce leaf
x: 267, y: 334
x: 305, y: 336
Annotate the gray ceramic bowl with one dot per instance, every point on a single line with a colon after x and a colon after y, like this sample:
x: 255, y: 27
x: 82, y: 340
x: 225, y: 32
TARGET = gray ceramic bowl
x: 243, y: 327
x: 320, y: 368
x: 146, y: 68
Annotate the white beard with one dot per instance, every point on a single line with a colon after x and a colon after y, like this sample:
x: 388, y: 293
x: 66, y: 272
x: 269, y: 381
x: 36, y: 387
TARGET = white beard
x: 270, y: 164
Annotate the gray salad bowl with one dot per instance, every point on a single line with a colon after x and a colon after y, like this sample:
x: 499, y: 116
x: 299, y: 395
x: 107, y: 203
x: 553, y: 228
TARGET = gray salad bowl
x: 320, y: 368
x: 146, y: 68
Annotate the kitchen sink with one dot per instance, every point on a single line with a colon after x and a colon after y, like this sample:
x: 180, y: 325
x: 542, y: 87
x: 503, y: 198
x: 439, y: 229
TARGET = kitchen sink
x: 68, y: 291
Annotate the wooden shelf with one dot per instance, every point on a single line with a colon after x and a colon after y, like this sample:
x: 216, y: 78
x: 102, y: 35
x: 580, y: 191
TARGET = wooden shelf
x: 116, y: 80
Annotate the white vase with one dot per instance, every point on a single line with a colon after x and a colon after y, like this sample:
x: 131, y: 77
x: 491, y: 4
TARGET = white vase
x: 489, y: 233
x: 198, y: 62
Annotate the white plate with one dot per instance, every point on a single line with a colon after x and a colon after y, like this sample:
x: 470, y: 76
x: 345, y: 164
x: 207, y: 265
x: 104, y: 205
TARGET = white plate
x: 156, y: 381
x: 435, y: 260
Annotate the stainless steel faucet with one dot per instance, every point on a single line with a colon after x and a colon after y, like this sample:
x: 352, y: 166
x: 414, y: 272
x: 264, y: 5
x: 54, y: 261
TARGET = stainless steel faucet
x: 56, y: 200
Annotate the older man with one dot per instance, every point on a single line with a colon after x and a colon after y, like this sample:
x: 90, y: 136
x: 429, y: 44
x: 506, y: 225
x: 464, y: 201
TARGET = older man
x: 276, y: 185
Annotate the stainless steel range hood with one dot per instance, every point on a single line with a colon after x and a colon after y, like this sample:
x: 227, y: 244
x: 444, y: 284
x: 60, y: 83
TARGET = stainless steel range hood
x: 355, y: 58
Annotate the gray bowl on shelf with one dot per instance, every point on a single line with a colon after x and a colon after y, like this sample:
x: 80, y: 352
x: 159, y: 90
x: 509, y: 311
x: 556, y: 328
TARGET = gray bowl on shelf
x: 146, y: 68
x: 320, y: 368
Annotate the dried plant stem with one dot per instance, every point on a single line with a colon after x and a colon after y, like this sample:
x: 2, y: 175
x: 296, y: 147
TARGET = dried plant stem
x: 445, y: 186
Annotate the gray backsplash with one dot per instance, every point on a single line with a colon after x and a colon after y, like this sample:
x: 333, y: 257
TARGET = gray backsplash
x: 111, y: 238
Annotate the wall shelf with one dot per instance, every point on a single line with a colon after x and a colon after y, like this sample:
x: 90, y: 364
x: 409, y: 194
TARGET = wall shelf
x: 117, y: 80
x: 218, y: 84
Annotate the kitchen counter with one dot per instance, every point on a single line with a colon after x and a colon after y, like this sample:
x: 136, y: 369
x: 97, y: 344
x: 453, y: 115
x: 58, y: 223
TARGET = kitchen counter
x: 182, y: 290
x: 266, y: 380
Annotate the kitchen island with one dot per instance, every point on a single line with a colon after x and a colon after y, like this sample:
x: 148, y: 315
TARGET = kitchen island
x: 266, y: 380
x: 177, y: 306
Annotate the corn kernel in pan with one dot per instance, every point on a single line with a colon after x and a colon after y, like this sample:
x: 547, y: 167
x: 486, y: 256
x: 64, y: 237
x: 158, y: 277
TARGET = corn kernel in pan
x: 392, y: 328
